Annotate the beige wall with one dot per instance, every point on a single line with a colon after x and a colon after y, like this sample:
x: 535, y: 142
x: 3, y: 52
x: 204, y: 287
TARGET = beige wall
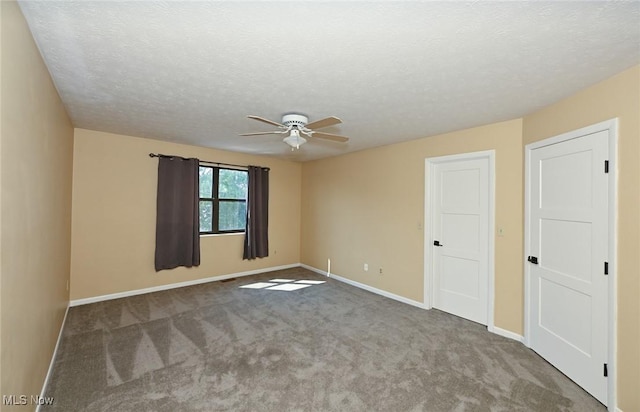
x: 114, y: 204
x: 369, y: 207
x: 618, y: 97
x: 36, y: 170
x: 1, y: 30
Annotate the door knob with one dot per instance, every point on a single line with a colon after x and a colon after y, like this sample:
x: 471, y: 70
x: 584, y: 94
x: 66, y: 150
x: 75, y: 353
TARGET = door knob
x: 437, y: 243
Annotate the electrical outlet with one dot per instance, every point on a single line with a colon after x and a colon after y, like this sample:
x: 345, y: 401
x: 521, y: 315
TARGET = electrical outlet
x: 366, y: 267
x: 500, y: 231
x: 381, y: 271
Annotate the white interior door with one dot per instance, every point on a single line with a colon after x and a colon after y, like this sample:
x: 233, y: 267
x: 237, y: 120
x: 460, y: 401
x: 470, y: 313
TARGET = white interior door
x: 568, y: 248
x: 460, y: 244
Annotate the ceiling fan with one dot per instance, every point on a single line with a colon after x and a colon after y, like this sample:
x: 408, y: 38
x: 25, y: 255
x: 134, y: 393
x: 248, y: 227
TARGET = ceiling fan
x: 296, y: 126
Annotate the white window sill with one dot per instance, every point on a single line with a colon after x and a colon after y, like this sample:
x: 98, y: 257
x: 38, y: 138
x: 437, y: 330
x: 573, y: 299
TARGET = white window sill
x: 222, y: 234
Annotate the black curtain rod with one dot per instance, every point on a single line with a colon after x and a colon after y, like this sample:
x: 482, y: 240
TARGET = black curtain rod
x: 204, y: 161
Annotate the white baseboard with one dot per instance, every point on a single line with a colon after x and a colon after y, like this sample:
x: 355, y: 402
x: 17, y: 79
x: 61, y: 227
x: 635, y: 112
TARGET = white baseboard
x: 379, y: 291
x: 494, y: 329
x: 506, y: 333
x: 318, y: 271
x: 85, y: 301
x: 367, y: 287
x: 53, y: 357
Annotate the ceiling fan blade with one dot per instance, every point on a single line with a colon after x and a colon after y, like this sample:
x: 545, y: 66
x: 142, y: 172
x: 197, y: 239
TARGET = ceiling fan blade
x: 262, y: 119
x: 319, y: 124
x: 329, y: 136
x: 261, y: 133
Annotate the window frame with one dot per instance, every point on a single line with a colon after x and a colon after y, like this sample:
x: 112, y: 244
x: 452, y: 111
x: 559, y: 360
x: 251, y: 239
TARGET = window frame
x: 215, y: 201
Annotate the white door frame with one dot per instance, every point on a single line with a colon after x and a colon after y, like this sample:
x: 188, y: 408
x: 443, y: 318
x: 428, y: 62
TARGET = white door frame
x: 429, y: 176
x: 612, y: 127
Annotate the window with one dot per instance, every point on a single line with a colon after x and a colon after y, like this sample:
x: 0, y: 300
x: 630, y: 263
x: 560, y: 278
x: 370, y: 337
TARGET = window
x: 223, y: 200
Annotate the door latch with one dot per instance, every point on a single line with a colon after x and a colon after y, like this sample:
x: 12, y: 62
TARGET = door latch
x: 533, y: 259
x: 437, y: 243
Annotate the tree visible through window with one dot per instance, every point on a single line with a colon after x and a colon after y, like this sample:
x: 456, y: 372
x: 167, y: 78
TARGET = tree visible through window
x: 223, y: 200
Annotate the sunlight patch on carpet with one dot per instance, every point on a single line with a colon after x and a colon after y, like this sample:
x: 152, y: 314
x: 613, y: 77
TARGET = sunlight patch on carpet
x: 258, y: 285
x: 311, y: 282
x: 287, y: 285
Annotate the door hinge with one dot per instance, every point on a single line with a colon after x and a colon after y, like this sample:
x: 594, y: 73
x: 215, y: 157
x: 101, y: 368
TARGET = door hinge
x: 606, y: 268
x: 533, y: 260
x: 606, y: 166
x: 606, y: 372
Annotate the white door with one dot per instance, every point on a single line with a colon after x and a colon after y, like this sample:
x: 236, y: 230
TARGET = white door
x: 568, y: 237
x: 460, y: 244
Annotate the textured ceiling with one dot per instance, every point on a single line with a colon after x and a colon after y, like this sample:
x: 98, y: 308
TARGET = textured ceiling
x: 190, y: 72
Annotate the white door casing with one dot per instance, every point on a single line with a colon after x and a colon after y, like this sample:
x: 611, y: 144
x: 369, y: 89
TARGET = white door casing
x: 568, y: 245
x: 459, y: 212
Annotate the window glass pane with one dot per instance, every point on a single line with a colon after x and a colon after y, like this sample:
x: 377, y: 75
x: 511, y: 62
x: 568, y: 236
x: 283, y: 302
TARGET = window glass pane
x: 233, y: 184
x: 206, y: 216
x: 233, y: 215
x: 206, y: 182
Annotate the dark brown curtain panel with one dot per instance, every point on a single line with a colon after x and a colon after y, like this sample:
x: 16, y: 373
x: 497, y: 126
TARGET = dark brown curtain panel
x: 178, y: 218
x: 256, y: 238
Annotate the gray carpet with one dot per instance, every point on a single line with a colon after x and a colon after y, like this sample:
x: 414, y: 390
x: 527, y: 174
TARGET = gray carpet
x: 327, y: 347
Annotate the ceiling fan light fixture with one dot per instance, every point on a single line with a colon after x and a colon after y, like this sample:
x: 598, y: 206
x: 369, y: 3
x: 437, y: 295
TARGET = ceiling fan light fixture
x: 294, y: 139
x: 295, y: 125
